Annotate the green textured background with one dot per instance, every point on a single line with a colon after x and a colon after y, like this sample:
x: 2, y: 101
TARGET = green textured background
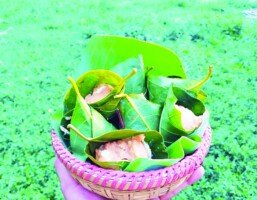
x: 41, y: 43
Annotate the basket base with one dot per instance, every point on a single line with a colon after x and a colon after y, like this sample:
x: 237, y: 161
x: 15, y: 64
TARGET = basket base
x: 130, y: 195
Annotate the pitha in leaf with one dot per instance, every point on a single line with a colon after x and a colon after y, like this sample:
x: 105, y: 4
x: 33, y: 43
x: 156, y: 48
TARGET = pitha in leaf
x: 158, y: 86
x: 88, y: 121
x: 98, y: 88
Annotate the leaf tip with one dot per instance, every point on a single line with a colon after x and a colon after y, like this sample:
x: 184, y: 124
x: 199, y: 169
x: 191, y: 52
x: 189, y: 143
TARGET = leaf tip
x: 134, y: 70
x: 132, y: 73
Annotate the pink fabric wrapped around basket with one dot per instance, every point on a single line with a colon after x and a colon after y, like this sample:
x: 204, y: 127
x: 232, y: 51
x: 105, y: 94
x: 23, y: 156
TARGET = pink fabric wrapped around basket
x: 115, y: 184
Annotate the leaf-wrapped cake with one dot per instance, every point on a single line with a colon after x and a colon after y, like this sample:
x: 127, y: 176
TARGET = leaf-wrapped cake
x: 132, y: 108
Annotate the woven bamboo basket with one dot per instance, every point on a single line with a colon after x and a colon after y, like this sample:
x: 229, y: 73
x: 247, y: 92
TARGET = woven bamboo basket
x: 115, y: 184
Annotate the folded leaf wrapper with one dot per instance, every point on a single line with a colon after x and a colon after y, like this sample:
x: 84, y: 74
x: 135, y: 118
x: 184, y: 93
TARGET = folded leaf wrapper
x: 90, y: 126
x: 139, y: 113
x: 88, y: 121
x: 86, y: 84
x: 162, y: 157
x: 152, y: 138
x: 171, y: 124
x: 136, y: 84
x: 158, y: 86
x: 176, y: 152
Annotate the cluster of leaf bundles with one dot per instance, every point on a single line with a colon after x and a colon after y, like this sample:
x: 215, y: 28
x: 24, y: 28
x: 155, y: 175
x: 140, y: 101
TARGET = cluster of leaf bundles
x: 133, y: 109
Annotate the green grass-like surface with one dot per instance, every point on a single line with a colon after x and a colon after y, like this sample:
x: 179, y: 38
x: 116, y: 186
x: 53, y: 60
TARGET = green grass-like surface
x: 41, y: 43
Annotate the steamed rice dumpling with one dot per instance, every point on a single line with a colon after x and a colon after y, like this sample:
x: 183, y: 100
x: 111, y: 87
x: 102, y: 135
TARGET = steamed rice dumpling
x: 189, y: 120
x: 99, y: 92
x: 126, y: 149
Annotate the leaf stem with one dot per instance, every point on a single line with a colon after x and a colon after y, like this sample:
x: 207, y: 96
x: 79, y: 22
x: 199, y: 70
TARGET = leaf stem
x: 78, y: 132
x: 120, y: 85
x: 149, y: 69
x: 134, y: 107
x: 200, y: 83
x: 132, y: 73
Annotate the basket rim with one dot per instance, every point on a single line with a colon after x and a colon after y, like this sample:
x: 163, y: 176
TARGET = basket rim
x: 155, y: 178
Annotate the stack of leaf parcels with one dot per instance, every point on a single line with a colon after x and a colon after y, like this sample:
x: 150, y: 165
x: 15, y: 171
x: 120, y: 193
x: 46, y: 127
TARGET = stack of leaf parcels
x: 124, y: 97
